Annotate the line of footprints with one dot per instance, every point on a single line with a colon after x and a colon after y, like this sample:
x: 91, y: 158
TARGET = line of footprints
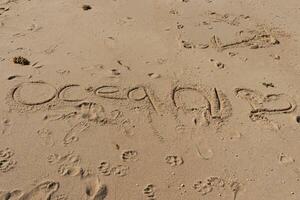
x: 69, y: 165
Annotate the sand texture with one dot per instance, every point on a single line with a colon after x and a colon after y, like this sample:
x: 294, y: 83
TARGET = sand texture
x: 149, y: 100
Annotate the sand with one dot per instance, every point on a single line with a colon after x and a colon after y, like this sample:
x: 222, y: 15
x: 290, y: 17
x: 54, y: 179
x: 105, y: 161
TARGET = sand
x: 149, y: 99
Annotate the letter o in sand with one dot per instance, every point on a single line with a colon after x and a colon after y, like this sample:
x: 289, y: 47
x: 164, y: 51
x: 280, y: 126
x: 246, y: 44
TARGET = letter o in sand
x: 34, y: 93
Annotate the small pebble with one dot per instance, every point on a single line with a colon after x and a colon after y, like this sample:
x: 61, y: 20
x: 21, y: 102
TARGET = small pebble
x: 86, y: 7
x: 21, y: 60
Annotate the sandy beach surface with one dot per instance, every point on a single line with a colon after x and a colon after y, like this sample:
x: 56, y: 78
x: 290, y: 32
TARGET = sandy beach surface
x: 149, y: 100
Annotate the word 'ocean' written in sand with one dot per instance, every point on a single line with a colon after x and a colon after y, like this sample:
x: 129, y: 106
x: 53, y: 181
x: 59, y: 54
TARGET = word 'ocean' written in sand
x: 208, y: 103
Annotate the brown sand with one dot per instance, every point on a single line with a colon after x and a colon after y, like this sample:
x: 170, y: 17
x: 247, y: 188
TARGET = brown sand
x: 149, y: 99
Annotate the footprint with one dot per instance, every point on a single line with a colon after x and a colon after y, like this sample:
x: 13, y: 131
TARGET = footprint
x: 6, y: 153
x: 285, y: 159
x: 202, y: 187
x: 72, y: 134
x: 174, y: 161
x: 215, y: 181
x: 7, y: 165
x: 127, y: 127
x: 42, y: 191
x: 207, y: 186
x: 129, y: 155
x: 14, y: 195
x: 67, y: 158
x: 104, y: 168
x: 60, y: 197
x: 68, y: 170
x: 5, y: 126
x: 46, y: 135
x: 6, y: 161
x: 216, y: 63
x: 93, y: 112
x: 120, y: 170
x: 149, y: 191
x: 235, y: 187
x: 68, y: 164
x: 95, y: 190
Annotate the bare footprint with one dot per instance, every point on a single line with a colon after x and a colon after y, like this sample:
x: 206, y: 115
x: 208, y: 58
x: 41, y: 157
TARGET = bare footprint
x: 74, y: 131
x: 69, y: 158
x: 14, y: 195
x: 95, y: 190
x: 42, y: 191
x: 69, y: 170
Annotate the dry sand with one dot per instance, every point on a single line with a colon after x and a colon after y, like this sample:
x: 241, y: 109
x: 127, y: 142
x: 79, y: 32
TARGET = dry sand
x: 149, y: 99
